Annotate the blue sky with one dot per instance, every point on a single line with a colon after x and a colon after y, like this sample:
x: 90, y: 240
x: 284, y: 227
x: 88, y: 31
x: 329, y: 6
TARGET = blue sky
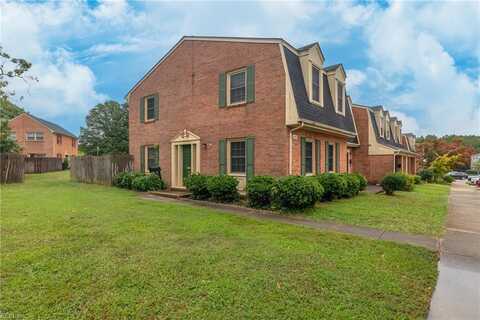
x: 418, y: 59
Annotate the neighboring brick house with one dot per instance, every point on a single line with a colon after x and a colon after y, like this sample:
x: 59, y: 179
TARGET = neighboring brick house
x: 382, y: 147
x: 240, y: 106
x: 41, y: 138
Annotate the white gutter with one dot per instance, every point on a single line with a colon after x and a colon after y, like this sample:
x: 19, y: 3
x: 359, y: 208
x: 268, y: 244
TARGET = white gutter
x: 290, y: 157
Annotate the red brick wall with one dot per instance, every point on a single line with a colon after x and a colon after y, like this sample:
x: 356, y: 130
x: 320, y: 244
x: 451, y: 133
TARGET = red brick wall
x: 380, y: 165
x: 296, y: 154
x: 187, y: 84
x: 360, y: 158
x: 23, y: 124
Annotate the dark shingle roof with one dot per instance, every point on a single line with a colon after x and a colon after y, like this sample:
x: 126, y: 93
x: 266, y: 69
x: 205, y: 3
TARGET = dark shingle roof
x: 54, y: 127
x: 386, y: 142
x: 308, y: 111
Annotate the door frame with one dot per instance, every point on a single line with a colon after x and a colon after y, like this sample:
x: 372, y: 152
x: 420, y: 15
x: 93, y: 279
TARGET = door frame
x: 186, y: 137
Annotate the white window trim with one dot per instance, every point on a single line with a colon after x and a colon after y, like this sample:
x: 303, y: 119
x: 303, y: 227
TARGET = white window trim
x: 387, y: 126
x: 13, y: 136
x: 310, y: 91
x: 145, y: 158
x: 229, y: 159
x: 36, y: 134
x: 145, y: 111
x: 228, y: 89
x: 336, y: 97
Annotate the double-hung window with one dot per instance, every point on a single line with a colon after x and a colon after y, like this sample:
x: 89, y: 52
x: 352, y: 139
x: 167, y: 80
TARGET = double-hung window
x: 331, y: 159
x: 308, y: 157
x: 150, y: 108
x: 152, y: 157
x: 237, y: 87
x: 13, y: 136
x: 238, y: 157
x: 316, y: 74
x: 34, y: 136
x: 59, y: 139
x: 340, y: 97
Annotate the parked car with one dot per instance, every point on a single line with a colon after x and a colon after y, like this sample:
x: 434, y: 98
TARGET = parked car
x: 473, y: 179
x: 457, y: 175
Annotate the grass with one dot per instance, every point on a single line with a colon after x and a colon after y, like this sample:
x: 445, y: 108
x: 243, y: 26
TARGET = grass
x: 421, y: 211
x: 77, y: 251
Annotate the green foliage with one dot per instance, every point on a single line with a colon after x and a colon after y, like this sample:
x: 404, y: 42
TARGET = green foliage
x: 417, y: 179
x: 65, y: 164
x: 12, y: 68
x: 296, y: 192
x: 197, y: 184
x: 148, y: 182
x: 7, y: 144
x: 125, y: 179
x: 353, y: 185
x: 223, y: 188
x: 397, y: 182
x: 9, y: 110
x: 334, y: 185
x: 107, y: 129
x: 442, y: 165
x: 259, y: 191
x: 426, y: 175
x: 362, y: 181
x: 448, y: 179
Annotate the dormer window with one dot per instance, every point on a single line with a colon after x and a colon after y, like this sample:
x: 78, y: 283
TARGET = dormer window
x: 316, y: 84
x: 387, y: 126
x: 381, y: 125
x: 340, y: 97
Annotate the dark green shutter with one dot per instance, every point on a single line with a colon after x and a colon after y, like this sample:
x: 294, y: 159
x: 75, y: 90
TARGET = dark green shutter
x: 222, y: 84
x: 337, y: 157
x: 157, y: 155
x: 156, y: 102
x: 302, y: 154
x: 250, y: 158
x: 222, y: 156
x: 318, y: 146
x: 142, y: 158
x: 142, y: 109
x: 326, y: 156
x: 251, y: 83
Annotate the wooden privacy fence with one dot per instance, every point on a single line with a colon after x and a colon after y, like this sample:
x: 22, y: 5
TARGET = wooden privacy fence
x: 41, y: 165
x: 11, y: 167
x: 99, y: 169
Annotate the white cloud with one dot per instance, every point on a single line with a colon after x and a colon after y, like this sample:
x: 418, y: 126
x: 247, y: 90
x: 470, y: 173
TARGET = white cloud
x: 409, y: 124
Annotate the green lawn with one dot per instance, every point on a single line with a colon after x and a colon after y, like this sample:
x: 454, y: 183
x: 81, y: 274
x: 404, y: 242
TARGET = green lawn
x: 421, y: 211
x: 72, y: 251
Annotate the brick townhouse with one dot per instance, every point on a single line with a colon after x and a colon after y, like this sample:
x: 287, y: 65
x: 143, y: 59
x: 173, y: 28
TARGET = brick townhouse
x: 382, y: 147
x: 243, y: 107
x: 41, y: 138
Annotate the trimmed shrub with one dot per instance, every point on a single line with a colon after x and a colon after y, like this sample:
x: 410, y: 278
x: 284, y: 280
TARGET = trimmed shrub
x: 448, y: 179
x: 296, y: 192
x: 417, y: 179
x: 125, y: 179
x: 353, y: 185
x: 259, y: 191
x: 148, y: 182
x: 426, y: 175
x: 363, y: 183
x: 197, y: 184
x: 65, y: 164
x: 397, y: 182
x: 334, y: 185
x: 223, y: 188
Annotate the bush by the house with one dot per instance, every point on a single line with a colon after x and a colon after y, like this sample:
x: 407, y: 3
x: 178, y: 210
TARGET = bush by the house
x: 448, y: 179
x: 426, y: 175
x: 149, y: 182
x: 259, y: 191
x: 223, y: 188
x: 333, y: 184
x: 65, y: 164
x: 397, y: 182
x: 363, y: 183
x: 417, y: 179
x: 353, y: 185
x: 125, y: 179
x: 296, y: 192
x: 197, y: 184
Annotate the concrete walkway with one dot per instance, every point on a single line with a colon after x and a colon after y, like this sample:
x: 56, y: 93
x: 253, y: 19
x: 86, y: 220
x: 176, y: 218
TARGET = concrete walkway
x: 377, y: 234
x: 457, y: 295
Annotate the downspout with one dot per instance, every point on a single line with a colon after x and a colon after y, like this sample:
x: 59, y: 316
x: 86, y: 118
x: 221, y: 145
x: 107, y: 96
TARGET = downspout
x: 290, y: 156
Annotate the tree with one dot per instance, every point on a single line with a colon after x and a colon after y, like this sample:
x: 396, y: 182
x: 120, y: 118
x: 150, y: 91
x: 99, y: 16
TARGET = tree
x: 11, y: 68
x: 107, y: 129
x: 443, y: 164
x: 9, y: 110
x: 7, y: 143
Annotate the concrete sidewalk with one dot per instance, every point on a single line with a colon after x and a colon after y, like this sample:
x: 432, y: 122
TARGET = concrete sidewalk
x: 457, y: 295
x: 377, y: 234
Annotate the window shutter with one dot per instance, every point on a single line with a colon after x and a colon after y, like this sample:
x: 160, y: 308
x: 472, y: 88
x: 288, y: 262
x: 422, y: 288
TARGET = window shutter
x: 251, y: 83
x: 156, y: 103
x: 142, y: 158
x: 157, y: 155
x: 142, y: 109
x: 222, y: 156
x: 326, y: 156
x: 318, y: 146
x: 222, y: 84
x: 250, y: 157
x: 302, y: 154
x: 337, y: 157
